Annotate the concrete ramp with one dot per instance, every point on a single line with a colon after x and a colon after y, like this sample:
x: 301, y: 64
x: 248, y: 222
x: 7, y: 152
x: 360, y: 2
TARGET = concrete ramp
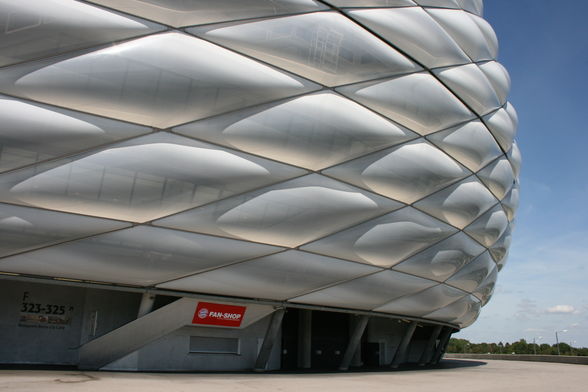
x: 136, y: 334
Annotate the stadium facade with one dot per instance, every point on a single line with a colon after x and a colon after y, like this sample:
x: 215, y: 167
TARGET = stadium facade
x: 251, y: 184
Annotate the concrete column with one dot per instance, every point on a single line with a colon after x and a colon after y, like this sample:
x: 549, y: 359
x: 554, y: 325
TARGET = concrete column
x: 400, y: 355
x: 430, y: 347
x: 443, y: 340
x: 268, y: 342
x: 304, y: 339
x: 354, y: 342
x: 147, y: 301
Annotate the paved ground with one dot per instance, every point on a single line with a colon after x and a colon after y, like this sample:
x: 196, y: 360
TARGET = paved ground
x: 452, y: 376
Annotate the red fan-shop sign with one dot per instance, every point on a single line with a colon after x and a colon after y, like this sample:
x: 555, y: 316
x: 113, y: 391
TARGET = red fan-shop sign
x: 218, y: 314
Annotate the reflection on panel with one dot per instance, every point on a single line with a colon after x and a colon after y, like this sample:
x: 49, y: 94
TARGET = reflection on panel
x: 470, y: 143
x: 32, y: 132
x: 325, y: 47
x: 474, y: 6
x: 486, y: 289
x: 160, y: 80
x: 459, y: 204
x: 367, y: 292
x: 314, y: 131
x: 498, y: 177
x: 278, y: 276
x: 470, y: 277
x: 371, y: 3
x: 34, y: 29
x: 459, y: 312
x: 285, y: 214
x: 438, y: 3
x: 442, y: 260
x: 141, y: 256
x: 406, y: 173
x: 510, y: 203
x: 416, y: 33
x: 471, y: 85
x: 498, y: 76
x: 499, y: 250
x: 141, y: 179
x: 384, y: 241
x: 24, y: 228
x: 417, y: 101
x: 424, y: 302
x: 502, y: 126
x: 187, y: 13
x: 489, y: 227
x: 477, y: 41
x: 514, y: 156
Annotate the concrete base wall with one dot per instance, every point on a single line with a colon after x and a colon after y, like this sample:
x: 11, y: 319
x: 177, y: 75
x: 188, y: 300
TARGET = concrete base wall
x: 171, y: 353
x: 532, y: 358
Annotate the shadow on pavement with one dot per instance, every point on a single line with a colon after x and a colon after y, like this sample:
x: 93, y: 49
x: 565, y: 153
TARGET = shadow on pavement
x: 443, y: 364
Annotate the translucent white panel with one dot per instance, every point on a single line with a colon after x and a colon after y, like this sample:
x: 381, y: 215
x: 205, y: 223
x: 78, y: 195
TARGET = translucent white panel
x: 499, y: 250
x: 489, y: 34
x: 186, y: 13
x: 367, y: 292
x: 502, y: 127
x: 473, y: 274
x: 140, y: 256
x: 489, y: 227
x: 473, y: 6
x: 457, y: 312
x: 459, y: 204
x: 424, y: 302
x: 313, y: 131
x: 442, y: 260
x: 514, y: 156
x: 499, y: 77
x: 159, y: 80
x: 370, y: 3
x: 325, y: 47
x: 486, y: 289
x: 406, y: 173
x: 278, y: 276
x: 31, y: 132
x: 141, y: 179
x: 498, y: 177
x: 384, y: 241
x: 439, y: 3
x: 511, y: 201
x: 512, y: 114
x: 469, y: 317
x: 24, y: 228
x: 414, y: 32
x: 417, y: 101
x: 470, y: 143
x: 466, y: 32
x: 285, y: 214
x: 471, y: 85
x: 41, y: 28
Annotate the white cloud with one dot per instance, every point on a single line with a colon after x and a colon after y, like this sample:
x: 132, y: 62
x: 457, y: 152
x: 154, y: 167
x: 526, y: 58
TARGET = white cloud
x: 562, y: 309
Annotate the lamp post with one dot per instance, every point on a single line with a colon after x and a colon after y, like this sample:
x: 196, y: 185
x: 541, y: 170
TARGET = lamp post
x: 557, y: 339
x: 535, y: 345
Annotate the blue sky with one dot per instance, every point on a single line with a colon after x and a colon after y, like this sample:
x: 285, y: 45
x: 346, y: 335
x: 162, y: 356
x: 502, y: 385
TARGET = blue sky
x: 544, y: 286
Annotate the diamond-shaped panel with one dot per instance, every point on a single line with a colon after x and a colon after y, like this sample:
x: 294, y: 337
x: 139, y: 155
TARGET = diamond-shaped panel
x: 285, y: 214
x: 141, y: 179
x: 384, y: 241
x: 325, y: 47
x: 313, y: 131
x: 417, y: 101
x: 406, y: 173
x: 160, y: 80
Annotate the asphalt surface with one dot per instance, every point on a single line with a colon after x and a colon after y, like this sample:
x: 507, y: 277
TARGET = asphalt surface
x: 452, y: 375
